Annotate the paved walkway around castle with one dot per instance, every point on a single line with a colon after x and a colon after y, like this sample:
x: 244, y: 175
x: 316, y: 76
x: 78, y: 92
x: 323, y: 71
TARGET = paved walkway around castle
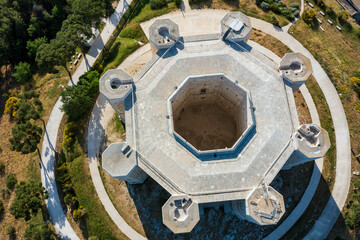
x: 207, y: 21
x: 58, y: 218
x: 192, y: 23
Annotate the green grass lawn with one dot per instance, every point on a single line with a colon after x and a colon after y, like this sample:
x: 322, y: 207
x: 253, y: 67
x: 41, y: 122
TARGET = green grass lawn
x: 127, y: 41
x: 97, y: 221
x: 121, y: 49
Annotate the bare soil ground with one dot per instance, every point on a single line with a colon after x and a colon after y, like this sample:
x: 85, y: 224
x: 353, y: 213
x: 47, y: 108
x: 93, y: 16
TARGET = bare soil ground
x: 269, y: 42
x: 25, y: 167
x: 302, y: 109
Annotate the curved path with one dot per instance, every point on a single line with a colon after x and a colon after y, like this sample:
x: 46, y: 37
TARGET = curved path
x: 315, y: 177
x: 102, y: 114
x: 339, y: 193
x: 58, y: 218
x: 204, y: 21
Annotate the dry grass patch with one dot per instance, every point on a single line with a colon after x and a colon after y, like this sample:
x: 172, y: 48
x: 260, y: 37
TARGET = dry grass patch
x: 302, y: 108
x: 248, y: 7
x: 25, y: 167
x: 269, y: 42
x: 339, y: 54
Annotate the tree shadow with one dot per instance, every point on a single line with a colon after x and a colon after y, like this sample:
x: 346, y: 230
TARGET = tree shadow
x: 201, y: 4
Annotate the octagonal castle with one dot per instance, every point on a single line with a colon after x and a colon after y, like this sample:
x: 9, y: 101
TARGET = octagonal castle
x: 213, y: 121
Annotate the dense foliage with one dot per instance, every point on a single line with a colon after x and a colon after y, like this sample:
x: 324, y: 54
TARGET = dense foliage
x: 28, y: 200
x: 22, y: 72
x: 45, y: 32
x: 25, y: 137
x: 278, y: 7
x: 157, y: 4
x: 79, y: 99
x: 25, y: 108
x: 309, y: 16
x: 11, y: 181
x: 38, y: 232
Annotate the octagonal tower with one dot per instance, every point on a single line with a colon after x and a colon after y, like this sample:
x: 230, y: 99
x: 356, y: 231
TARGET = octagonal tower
x: 213, y: 123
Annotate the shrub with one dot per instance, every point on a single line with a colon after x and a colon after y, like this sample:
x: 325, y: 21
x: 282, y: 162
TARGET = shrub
x: 11, y: 106
x: 343, y: 16
x: 29, y: 94
x: 275, y: 8
x: 28, y: 200
x: 2, y: 208
x: 292, y: 9
x: 11, y: 181
x: 10, y: 231
x: 357, y: 184
x: 178, y: 3
x: 78, y: 213
x: 321, y: 3
x: 294, y: 5
x: 93, y: 238
x: 25, y: 137
x: 274, y: 20
x: 27, y: 111
x: 2, y: 168
x: 69, y: 135
x: 352, y: 218
x: 288, y: 14
x: 309, y: 15
x: 296, y: 13
x: 157, y: 4
x: 358, y: 33
x: 98, y: 67
x: 22, y: 72
x: 38, y: 232
x: 330, y: 11
x: 265, y: 6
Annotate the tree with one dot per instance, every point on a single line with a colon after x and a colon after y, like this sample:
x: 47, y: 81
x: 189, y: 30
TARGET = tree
x: 11, y: 181
x: 23, y: 72
x: 28, y: 200
x: 10, y: 231
x: 55, y: 53
x: 274, y: 20
x: 38, y: 232
x: 90, y: 10
x: 75, y: 29
x: 25, y: 137
x: 78, y: 99
x: 12, y: 35
x: 32, y: 46
x: 157, y: 4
